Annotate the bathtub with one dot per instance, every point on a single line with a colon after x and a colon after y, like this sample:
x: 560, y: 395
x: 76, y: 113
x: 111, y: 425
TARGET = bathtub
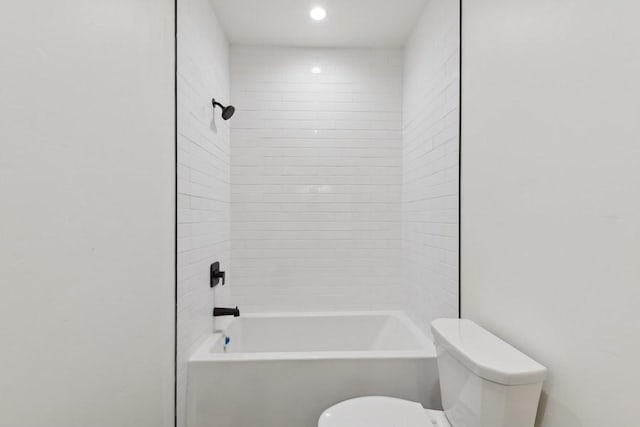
x: 283, y: 370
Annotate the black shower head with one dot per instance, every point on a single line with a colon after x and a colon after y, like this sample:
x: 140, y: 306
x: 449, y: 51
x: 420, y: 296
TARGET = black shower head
x: 227, y: 112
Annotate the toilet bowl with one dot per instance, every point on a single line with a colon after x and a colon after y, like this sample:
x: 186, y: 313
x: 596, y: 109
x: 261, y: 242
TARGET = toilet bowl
x: 374, y: 411
x: 484, y: 382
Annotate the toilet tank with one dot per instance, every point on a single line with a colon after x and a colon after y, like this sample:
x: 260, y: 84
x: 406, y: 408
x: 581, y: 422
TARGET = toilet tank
x: 484, y: 381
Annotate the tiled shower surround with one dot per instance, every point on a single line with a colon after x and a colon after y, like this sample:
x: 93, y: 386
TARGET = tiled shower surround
x: 203, y: 179
x: 430, y: 155
x: 316, y: 178
x: 335, y: 185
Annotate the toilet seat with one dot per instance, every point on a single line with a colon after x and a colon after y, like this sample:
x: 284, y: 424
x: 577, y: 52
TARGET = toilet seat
x: 379, y: 411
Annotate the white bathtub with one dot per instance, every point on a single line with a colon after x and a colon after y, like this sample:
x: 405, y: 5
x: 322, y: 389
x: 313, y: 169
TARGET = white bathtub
x: 283, y: 370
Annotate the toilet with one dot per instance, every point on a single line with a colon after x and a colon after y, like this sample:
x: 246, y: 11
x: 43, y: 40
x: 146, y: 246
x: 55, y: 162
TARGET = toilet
x: 484, y: 382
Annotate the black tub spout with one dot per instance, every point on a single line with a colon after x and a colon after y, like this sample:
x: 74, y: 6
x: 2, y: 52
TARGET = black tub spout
x: 223, y: 311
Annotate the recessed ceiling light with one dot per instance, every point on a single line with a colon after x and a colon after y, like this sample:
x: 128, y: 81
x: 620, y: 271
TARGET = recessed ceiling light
x: 318, y: 13
x: 316, y: 70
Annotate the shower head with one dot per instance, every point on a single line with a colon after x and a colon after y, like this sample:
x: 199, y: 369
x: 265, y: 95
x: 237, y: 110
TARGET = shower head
x: 227, y: 112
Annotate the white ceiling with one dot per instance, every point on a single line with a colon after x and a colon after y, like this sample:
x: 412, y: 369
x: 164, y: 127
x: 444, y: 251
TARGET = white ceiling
x: 349, y: 23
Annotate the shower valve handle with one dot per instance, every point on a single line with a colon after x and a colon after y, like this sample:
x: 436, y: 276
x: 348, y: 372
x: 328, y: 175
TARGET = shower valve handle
x: 215, y: 274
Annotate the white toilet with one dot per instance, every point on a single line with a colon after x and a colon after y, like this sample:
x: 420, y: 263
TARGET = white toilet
x: 484, y: 382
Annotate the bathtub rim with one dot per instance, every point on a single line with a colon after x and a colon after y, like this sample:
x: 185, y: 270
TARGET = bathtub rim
x: 428, y: 350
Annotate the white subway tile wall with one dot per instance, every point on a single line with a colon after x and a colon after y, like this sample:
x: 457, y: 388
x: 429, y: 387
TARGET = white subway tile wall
x: 203, y: 178
x: 430, y: 152
x: 316, y: 179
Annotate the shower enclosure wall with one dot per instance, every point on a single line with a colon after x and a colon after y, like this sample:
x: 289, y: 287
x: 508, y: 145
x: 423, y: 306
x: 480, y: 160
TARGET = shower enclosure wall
x: 316, y: 174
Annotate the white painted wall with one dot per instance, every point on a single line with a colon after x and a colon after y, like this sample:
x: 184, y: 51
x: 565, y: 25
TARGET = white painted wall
x: 87, y: 215
x: 203, y: 178
x: 550, y: 206
x: 430, y: 154
x: 316, y: 175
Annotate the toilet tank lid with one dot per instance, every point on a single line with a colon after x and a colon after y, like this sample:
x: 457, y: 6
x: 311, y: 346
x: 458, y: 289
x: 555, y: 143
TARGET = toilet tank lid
x: 485, y: 354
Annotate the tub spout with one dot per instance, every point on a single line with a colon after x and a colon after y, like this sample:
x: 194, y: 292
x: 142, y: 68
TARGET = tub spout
x: 222, y: 311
